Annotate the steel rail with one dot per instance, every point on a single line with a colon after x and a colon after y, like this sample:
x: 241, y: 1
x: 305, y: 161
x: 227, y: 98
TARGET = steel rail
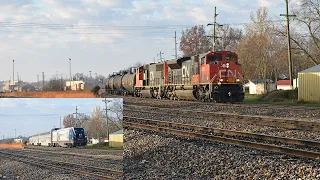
x: 260, y: 146
x: 251, y: 119
x: 238, y: 104
x: 43, y: 160
x: 291, y: 141
x: 34, y: 151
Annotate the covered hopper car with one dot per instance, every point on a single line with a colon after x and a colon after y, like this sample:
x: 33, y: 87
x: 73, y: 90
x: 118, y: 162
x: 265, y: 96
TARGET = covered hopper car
x: 212, y: 76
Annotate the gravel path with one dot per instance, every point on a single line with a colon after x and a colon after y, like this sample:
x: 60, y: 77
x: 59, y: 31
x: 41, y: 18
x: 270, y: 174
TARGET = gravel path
x: 151, y: 155
x: 10, y: 169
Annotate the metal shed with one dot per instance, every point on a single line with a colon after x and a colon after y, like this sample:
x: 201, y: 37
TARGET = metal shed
x: 309, y: 84
x: 116, y: 139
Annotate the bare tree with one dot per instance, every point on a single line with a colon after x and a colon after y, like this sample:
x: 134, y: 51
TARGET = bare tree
x: 195, y: 41
x: 308, y: 17
x: 229, y: 38
x: 54, y: 85
x: 71, y: 121
x: 261, y: 52
x: 96, y: 126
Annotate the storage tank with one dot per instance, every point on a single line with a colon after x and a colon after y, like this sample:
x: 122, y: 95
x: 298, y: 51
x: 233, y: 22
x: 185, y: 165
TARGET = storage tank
x: 128, y: 81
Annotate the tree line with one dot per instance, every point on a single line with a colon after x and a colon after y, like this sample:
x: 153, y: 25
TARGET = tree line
x: 262, y: 44
x: 96, y: 123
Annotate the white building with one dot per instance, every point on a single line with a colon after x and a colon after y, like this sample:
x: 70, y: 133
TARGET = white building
x: 75, y: 85
x: 257, y: 86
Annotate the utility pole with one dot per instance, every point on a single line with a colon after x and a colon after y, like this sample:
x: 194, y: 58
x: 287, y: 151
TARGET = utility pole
x: 15, y: 133
x: 90, y: 73
x: 13, y: 75
x: 214, y: 37
x: 289, y: 44
x: 76, y: 113
x: 161, y: 53
x: 18, y: 80
x: 106, y: 109
x: 42, y: 81
x: 38, y: 79
x: 60, y: 122
x: 175, y: 44
x: 70, y: 71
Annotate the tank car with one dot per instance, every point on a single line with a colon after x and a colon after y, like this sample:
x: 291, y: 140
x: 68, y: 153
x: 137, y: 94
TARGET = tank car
x: 67, y: 137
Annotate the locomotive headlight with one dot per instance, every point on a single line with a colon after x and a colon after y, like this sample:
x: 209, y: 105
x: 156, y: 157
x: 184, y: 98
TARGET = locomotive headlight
x: 227, y: 65
x: 238, y: 80
x: 221, y: 80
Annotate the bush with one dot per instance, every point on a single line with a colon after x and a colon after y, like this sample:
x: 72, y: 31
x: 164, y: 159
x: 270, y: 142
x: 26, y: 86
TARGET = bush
x: 281, y: 95
x: 95, y: 90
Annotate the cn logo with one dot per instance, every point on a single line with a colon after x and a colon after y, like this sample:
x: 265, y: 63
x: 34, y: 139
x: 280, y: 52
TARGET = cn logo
x: 227, y: 73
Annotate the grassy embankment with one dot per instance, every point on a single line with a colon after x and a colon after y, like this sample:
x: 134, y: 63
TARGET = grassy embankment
x: 101, y: 146
x: 281, y: 97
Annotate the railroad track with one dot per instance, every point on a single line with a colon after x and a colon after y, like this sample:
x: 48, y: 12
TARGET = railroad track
x: 80, y: 156
x: 79, y: 169
x: 268, y: 106
x: 291, y: 146
x: 249, y: 119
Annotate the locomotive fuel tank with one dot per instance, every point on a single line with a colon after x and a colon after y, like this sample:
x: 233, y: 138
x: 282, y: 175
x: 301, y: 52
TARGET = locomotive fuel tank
x: 128, y: 82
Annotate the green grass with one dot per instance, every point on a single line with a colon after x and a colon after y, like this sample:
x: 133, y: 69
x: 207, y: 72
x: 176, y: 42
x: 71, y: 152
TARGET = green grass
x: 256, y: 99
x: 99, y: 146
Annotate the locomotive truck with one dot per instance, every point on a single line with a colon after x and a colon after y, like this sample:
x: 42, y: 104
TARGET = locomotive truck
x: 66, y: 137
x: 212, y: 76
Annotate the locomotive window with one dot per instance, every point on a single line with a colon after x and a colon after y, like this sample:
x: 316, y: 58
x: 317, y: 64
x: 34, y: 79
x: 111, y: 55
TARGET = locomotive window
x: 214, y: 58
x: 202, y: 60
x: 230, y: 58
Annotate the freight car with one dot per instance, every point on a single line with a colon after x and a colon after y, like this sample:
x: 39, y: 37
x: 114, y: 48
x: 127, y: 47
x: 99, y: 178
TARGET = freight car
x: 212, y: 76
x: 67, y: 137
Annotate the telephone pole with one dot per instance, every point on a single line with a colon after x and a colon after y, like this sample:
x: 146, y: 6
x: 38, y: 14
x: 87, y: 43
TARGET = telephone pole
x: 175, y: 44
x: 161, y: 53
x: 106, y: 109
x: 214, y: 37
x: 13, y: 75
x: 90, y: 73
x: 60, y: 122
x: 70, y: 71
x: 289, y: 44
x: 76, y: 113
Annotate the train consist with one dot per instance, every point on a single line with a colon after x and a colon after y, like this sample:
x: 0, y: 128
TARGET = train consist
x: 67, y: 137
x: 212, y: 76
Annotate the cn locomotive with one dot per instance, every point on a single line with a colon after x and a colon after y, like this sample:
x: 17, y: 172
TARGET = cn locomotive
x: 66, y: 137
x: 212, y: 76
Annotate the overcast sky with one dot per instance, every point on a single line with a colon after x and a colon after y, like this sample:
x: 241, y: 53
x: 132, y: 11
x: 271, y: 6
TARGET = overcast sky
x: 104, y: 36
x: 37, y: 115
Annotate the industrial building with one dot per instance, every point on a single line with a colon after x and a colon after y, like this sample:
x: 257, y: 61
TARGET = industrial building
x: 309, y: 85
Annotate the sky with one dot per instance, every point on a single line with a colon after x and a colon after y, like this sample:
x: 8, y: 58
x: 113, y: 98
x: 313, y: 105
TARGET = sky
x: 30, y: 116
x: 104, y: 36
